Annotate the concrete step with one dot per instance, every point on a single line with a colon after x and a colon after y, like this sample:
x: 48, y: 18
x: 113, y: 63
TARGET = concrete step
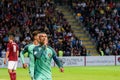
x: 78, y: 30
x: 65, y: 11
x: 90, y: 46
x: 85, y: 43
x: 71, y: 20
x: 91, y: 50
x: 82, y: 35
x: 69, y: 16
x: 84, y: 38
x: 76, y: 26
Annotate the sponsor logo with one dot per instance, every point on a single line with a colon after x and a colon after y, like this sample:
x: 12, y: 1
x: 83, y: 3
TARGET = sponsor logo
x: 119, y: 59
x: 35, y: 52
x: 49, y: 55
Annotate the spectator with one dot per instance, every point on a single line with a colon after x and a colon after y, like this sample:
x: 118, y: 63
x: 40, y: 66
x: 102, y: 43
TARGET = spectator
x: 101, y: 19
x: 83, y: 51
x: 60, y: 53
x: 67, y: 52
x: 20, y: 18
x: 76, y: 52
x: 101, y: 52
x: 88, y: 53
x: 107, y: 51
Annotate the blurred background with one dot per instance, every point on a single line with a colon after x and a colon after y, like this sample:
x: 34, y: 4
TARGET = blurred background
x: 74, y: 27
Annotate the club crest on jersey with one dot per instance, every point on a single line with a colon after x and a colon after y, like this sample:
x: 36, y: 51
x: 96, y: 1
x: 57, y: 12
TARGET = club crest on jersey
x: 49, y: 55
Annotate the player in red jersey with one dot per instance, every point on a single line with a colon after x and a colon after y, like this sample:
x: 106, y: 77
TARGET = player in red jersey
x: 12, y: 56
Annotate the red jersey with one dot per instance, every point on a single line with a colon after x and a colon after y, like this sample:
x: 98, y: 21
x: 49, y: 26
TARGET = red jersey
x: 12, y: 48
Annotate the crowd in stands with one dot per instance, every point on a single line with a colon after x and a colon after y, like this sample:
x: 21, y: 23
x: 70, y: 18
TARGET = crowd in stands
x: 101, y: 18
x: 22, y: 17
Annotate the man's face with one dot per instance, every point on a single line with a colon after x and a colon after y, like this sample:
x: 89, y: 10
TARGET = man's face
x: 10, y: 40
x: 43, y: 38
x: 37, y: 37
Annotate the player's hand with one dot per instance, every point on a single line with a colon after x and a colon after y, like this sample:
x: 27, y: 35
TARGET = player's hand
x: 5, y: 61
x: 24, y: 65
x: 46, y: 41
x: 61, y: 69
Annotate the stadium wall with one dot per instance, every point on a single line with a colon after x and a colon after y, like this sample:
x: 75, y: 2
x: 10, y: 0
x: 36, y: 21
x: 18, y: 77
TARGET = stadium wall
x: 79, y: 61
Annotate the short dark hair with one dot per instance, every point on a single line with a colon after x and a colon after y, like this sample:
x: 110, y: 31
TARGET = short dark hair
x: 35, y: 33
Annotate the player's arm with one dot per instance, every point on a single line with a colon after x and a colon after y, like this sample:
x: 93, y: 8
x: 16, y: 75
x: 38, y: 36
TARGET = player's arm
x: 22, y: 56
x: 57, y: 61
x: 7, y: 54
x: 17, y: 51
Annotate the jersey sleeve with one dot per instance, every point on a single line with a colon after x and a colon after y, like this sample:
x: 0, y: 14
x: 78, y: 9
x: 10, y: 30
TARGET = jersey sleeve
x: 8, y: 47
x: 55, y: 58
x: 23, y: 52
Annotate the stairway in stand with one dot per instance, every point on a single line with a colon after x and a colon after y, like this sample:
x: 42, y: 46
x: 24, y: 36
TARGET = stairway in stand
x: 79, y: 31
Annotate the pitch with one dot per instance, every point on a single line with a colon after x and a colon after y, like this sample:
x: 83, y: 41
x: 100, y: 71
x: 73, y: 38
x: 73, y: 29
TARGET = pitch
x: 72, y: 73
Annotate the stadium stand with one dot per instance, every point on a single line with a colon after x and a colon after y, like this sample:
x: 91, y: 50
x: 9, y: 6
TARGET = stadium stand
x: 22, y: 17
x: 101, y: 18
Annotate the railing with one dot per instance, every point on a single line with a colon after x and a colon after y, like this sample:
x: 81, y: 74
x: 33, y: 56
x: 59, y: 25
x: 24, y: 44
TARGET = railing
x: 79, y: 61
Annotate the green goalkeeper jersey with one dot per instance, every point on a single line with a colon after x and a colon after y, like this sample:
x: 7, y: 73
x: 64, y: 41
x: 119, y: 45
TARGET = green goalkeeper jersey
x: 29, y: 48
x: 43, y: 58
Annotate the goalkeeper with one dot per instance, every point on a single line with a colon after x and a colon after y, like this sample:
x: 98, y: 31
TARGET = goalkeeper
x: 43, y: 58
